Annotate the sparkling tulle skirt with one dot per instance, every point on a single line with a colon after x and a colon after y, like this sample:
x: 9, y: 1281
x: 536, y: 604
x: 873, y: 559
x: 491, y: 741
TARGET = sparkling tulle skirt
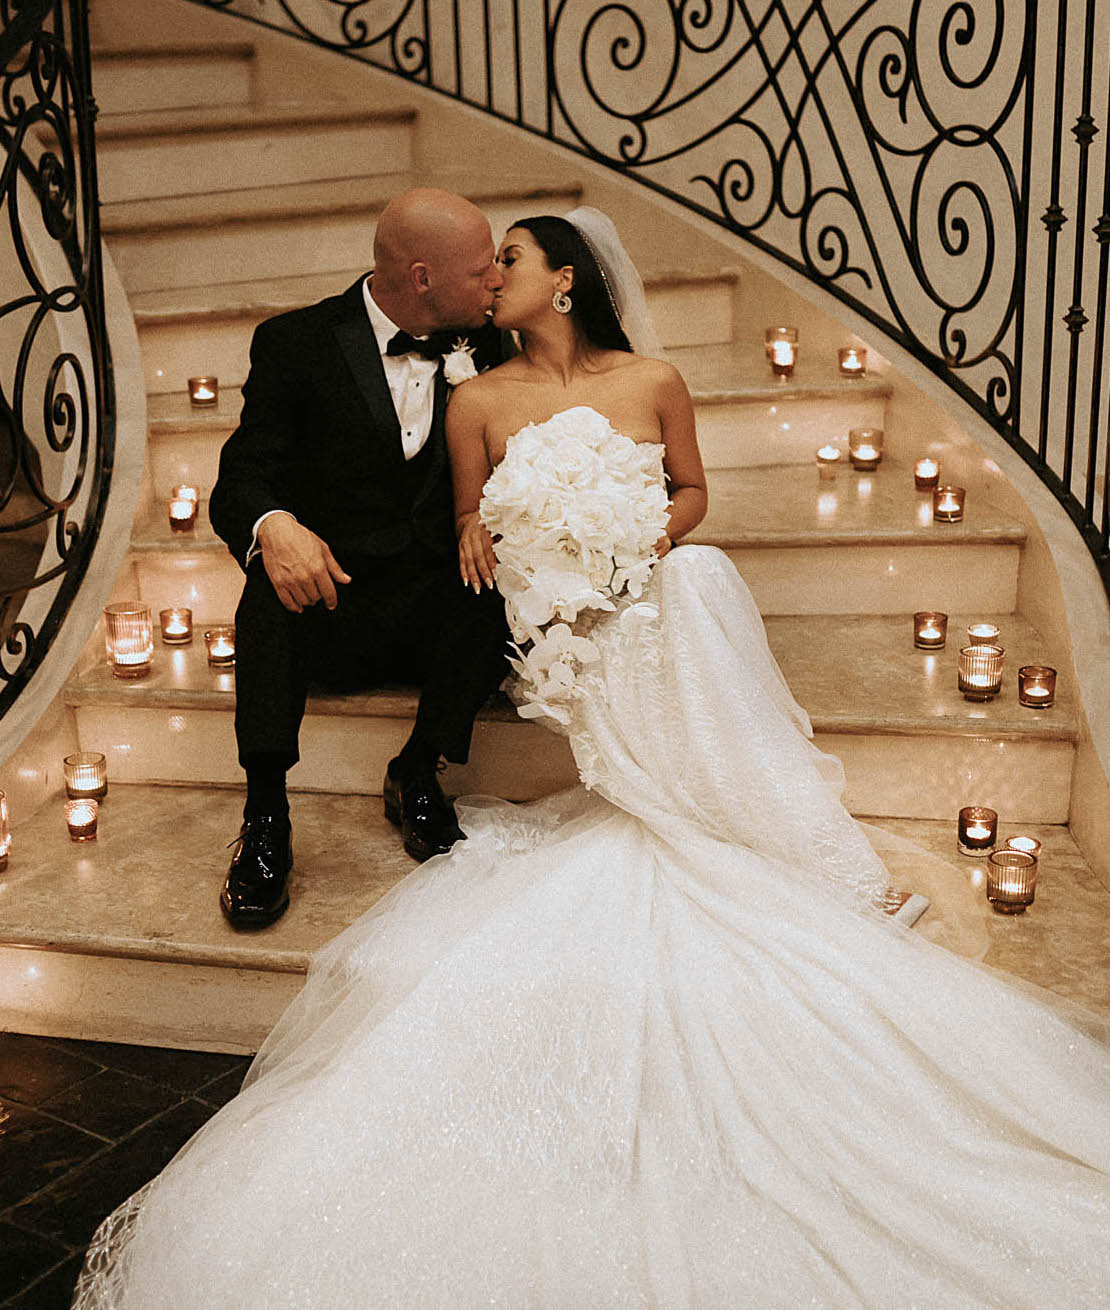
x: 648, y: 1044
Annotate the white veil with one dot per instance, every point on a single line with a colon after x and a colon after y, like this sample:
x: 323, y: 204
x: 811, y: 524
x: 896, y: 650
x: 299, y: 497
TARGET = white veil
x: 621, y: 277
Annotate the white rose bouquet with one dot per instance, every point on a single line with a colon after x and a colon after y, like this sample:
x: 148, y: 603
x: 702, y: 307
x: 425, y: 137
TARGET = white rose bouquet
x: 578, y: 509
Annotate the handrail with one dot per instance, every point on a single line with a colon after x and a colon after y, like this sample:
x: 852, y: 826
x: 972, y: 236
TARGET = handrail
x: 57, y: 405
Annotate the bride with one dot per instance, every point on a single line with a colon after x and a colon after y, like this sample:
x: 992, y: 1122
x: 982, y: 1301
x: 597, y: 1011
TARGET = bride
x: 648, y: 1042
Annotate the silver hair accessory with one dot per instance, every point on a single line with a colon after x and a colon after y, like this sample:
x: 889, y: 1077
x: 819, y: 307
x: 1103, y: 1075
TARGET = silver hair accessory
x: 620, y: 277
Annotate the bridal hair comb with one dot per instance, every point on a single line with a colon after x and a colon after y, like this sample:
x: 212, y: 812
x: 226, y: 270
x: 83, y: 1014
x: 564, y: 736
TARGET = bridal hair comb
x: 600, y: 268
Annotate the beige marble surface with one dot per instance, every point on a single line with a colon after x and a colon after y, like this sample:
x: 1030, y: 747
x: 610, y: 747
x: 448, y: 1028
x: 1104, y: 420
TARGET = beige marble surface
x: 147, y: 888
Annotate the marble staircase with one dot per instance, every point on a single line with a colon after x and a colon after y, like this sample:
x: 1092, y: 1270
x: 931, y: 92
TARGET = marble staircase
x: 222, y: 209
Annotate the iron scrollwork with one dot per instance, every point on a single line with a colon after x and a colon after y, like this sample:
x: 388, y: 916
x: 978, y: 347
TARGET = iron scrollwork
x: 56, y: 425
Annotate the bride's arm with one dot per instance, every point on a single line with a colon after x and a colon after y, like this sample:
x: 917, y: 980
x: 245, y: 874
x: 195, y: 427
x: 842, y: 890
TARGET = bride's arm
x: 470, y: 467
x: 681, y: 457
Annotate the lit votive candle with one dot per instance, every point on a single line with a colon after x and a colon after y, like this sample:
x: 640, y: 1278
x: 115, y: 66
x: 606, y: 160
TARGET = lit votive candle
x: 129, y: 638
x: 948, y: 504
x: 86, y: 775
x: 852, y: 361
x: 1030, y: 845
x: 183, y: 508
x: 976, y: 829
x: 176, y: 625
x: 1011, y: 880
x: 1036, y: 685
x: 926, y: 474
x: 865, y: 448
x: 930, y: 629
x: 827, y: 459
x: 220, y: 644
x: 781, y: 345
x: 81, y: 819
x: 980, y: 672
x: 204, y: 391
x: 982, y: 634
x: 5, y: 832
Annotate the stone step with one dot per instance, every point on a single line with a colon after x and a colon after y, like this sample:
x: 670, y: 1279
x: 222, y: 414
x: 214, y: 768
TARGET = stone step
x: 865, y: 544
x: 180, y: 153
x: 186, y: 77
x: 305, y: 229
x: 121, y: 939
x: 911, y: 745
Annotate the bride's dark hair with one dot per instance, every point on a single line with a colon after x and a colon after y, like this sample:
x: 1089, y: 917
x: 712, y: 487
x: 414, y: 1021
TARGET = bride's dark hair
x: 592, y: 309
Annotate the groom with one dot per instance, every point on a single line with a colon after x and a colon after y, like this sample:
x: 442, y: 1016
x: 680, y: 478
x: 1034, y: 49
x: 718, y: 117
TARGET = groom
x: 334, y: 495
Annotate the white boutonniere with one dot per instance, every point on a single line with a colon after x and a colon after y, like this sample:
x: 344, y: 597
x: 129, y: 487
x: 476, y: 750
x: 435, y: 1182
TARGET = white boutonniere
x: 458, y: 363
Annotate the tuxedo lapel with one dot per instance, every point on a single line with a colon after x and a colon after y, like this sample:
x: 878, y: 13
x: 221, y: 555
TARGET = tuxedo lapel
x: 360, y: 349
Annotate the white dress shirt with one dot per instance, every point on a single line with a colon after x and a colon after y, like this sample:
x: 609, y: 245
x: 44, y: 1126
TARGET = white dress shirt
x: 411, y: 382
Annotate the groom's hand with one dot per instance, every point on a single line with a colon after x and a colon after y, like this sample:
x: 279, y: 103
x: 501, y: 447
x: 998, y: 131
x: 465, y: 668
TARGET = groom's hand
x: 300, y: 564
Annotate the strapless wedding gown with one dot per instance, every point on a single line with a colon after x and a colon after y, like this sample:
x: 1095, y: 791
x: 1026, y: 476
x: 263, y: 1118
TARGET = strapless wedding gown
x: 646, y: 1044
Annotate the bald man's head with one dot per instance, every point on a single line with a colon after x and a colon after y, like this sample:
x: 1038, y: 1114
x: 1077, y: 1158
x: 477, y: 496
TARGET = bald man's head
x: 433, y: 261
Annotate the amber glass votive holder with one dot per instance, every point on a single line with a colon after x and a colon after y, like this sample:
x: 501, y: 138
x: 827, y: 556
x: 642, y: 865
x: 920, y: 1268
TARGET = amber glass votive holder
x: 1036, y: 686
x: 930, y: 629
x: 781, y: 345
x: 982, y: 634
x: 926, y: 474
x: 976, y: 830
x: 204, y: 391
x: 220, y: 645
x: 1030, y: 845
x: 81, y: 818
x: 827, y: 459
x: 948, y: 504
x: 980, y: 672
x: 852, y: 361
x: 865, y: 448
x: 183, y: 506
x: 128, y: 638
x: 5, y: 832
x: 1011, y: 880
x: 86, y: 776
x: 176, y: 626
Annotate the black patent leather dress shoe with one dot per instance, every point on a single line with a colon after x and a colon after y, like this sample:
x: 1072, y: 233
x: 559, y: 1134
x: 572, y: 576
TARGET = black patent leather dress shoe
x: 257, y: 888
x: 415, y: 803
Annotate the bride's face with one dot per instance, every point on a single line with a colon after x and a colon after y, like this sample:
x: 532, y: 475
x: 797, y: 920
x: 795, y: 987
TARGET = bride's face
x: 528, y: 283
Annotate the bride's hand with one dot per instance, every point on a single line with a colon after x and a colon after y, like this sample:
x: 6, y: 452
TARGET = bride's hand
x: 477, y: 561
x: 663, y: 545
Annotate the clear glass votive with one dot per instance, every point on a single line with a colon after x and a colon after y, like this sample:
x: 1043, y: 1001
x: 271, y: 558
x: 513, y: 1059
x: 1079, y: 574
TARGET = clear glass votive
x: 930, y: 629
x: 204, y: 391
x: 176, y: 625
x: 781, y: 346
x: 86, y: 776
x: 220, y: 644
x: 852, y: 361
x: 1030, y: 845
x: 5, y: 832
x: 865, y: 448
x: 129, y: 638
x: 976, y: 829
x: 980, y: 672
x: 1011, y: 880
x: 948, y: 504
x: 926, y: 474
x: 1036, y: 686
x: 183, y: 506
x: 982, y: 634
x: 81, y: 819
x: 827, y: 459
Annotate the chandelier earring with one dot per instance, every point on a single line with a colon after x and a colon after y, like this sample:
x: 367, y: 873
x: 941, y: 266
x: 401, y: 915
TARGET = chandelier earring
x: 561, y: 302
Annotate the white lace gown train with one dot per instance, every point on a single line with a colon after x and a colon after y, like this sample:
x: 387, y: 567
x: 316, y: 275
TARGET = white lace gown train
x: 645, y: 1045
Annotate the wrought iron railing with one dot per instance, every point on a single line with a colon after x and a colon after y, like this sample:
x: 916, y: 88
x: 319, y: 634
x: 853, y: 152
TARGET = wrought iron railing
x: 940, y: 166
x: 56, y: 399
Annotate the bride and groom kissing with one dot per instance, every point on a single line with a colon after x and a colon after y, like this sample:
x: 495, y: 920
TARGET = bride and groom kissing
x: 335, y: 495
x: 644, y: 1043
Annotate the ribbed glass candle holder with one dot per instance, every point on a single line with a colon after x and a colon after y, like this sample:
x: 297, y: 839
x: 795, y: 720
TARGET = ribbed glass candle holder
x: 129, y: 638
x: 930, y: 629
x: 976, y: 830
x: 865, y: 448
x: 1011, y: 880
x: 980, y: 672
x: 5, y: 832
x: 948, y: 504
x: 1036, y: 686
x: 781, y: 346
x: 86, y: 775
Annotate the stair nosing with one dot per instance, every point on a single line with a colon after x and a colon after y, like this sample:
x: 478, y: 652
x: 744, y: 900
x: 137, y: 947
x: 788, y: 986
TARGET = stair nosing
x: 239, y: 50
x: 171, y: 124
x: 156, y: 951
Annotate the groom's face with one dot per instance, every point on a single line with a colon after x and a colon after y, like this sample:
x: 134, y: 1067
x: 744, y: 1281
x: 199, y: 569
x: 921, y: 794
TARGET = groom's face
x: 462, y: 284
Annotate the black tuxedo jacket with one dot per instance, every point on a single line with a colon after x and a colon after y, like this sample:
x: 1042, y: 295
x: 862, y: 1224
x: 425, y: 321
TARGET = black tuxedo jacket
x: 318, y: 436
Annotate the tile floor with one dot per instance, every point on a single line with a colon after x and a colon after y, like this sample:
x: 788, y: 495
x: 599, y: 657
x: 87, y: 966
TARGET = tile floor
x: 82, y: 1126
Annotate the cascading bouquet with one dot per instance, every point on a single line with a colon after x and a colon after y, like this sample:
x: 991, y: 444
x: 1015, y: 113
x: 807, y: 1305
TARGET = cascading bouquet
x: 578, y: 509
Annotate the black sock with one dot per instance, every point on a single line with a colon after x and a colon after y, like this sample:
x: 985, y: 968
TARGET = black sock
x: 417, y: 756
x: 265, y: 786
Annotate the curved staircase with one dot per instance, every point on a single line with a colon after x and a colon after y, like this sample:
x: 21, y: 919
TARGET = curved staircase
x: 221, y: 209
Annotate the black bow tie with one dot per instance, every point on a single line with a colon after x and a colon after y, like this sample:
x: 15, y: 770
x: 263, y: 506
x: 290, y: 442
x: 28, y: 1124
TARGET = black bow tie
x: 434, y: 346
